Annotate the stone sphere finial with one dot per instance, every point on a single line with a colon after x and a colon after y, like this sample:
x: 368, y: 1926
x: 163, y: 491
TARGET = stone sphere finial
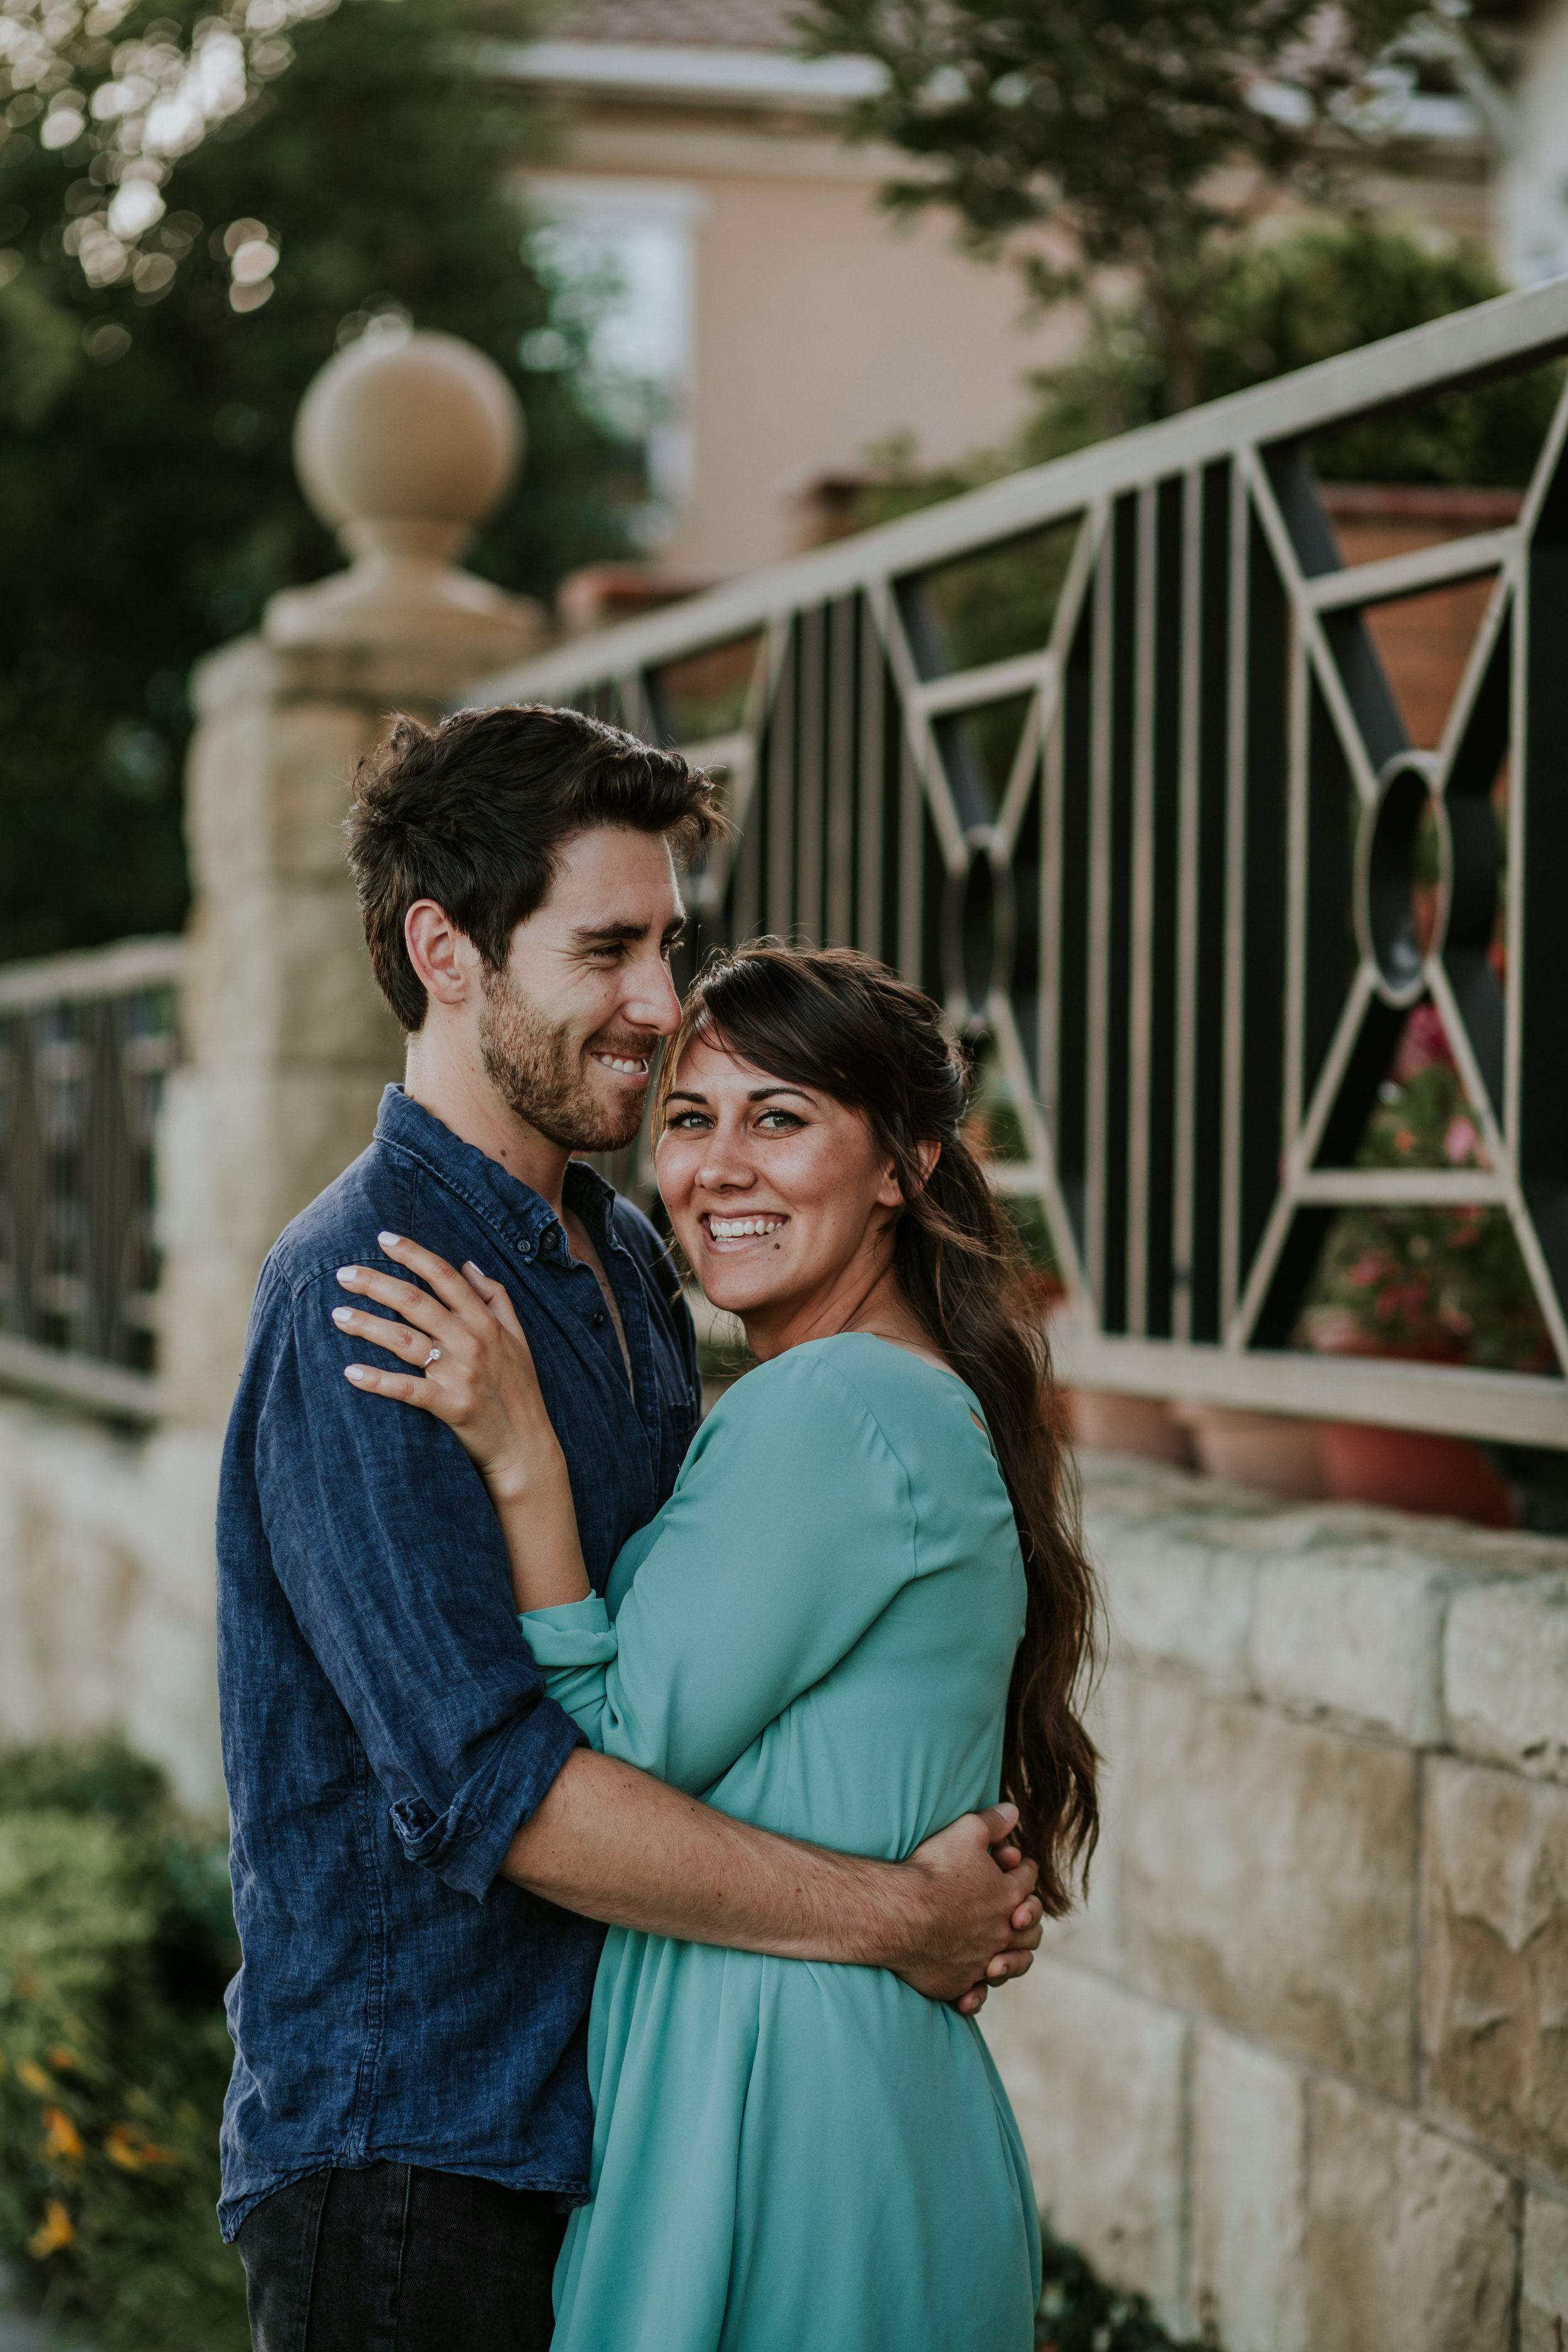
x: 403, y: 443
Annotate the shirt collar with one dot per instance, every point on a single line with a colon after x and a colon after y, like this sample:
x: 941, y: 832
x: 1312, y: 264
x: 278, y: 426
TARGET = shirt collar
x: 524, y: 1218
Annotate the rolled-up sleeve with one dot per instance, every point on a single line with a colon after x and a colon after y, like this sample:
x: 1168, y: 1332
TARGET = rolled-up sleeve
x: 388, y: 1553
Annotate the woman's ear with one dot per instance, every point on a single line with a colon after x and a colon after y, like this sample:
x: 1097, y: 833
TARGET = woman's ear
x: 926, y: 1157
x: 891, y: 1194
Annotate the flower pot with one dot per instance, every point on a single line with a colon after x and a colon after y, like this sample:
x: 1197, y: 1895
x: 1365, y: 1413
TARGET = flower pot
x: 1272, y: 1451
x: 1415, y: 1470
x: 1102, y: 1422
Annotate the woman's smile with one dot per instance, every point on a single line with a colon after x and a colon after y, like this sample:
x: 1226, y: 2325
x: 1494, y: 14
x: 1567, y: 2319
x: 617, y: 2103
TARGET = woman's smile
x: 729, y: 1233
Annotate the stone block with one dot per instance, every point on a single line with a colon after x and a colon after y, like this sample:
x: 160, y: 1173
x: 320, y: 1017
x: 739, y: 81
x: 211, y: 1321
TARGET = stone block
x: 286, y: 980
x: 1248, y: 2197
x: 1412, y: 2241
x: 314, y: 749
x: 1096, y: 2078
x: 1543, y: 2286
x: 1356, y: 1634
x: 1270, y: 1879
x: 1092, y: 1936
x: 1505, y: 1663
x: 1177, y: 1593
x: 1494, y: 1990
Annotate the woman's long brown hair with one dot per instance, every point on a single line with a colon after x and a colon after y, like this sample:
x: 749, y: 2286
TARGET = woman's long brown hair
x: 837, y: 1021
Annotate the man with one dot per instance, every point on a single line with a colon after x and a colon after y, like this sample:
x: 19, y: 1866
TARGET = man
x: 421, y: 1846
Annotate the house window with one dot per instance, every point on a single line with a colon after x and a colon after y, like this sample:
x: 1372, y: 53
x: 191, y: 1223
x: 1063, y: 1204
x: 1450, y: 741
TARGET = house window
x: 622, y: 256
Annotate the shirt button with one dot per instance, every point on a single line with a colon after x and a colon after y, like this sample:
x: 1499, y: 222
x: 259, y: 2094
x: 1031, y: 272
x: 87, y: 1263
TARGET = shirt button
x: 598, y: 1318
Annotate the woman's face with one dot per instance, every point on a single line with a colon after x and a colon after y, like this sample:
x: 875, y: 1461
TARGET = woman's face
x: 775, y: 1191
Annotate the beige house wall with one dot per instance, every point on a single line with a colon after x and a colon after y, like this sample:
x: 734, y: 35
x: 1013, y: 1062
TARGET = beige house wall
x: 822, y: 325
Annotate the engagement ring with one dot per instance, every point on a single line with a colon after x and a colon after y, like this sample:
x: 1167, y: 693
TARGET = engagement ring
x: 433, y: 1358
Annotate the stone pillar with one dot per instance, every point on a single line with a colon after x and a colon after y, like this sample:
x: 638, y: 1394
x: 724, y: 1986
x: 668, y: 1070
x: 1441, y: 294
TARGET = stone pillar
x: 403, y: 443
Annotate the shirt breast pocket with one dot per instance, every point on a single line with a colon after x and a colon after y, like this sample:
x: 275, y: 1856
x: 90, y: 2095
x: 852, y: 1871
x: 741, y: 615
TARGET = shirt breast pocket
x: 679, y: 1419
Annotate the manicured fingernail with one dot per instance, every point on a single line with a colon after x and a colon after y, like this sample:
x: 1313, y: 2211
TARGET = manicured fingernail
x: 341, y: 1314
x: 351, y: 1274
x: 390, y: 1240
x: 356, y: 1372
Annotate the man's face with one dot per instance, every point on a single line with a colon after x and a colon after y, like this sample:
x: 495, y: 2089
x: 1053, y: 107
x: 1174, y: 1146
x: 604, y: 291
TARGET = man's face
x: 568, y: 1027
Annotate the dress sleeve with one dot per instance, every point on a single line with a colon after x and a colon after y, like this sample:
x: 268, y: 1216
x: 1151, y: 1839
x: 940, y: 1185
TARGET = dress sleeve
x: 790, y: 1530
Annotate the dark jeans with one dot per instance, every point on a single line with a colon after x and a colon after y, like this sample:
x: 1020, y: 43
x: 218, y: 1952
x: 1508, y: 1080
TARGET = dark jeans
x: 400, y: 2259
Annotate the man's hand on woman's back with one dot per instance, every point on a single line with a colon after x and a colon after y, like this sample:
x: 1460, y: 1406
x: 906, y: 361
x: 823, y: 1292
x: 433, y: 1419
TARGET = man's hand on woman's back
x: 978, y: 1919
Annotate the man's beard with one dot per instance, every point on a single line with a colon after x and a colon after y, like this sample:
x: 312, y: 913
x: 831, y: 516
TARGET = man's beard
x: 538, y: 1071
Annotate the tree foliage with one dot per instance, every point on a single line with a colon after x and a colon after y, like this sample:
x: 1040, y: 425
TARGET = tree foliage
x: 1283, y: 303
x: 196, y: 208
x: 1141, y: 132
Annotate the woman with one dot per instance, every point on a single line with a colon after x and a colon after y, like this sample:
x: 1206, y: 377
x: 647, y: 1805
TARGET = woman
x: 862, y: 1610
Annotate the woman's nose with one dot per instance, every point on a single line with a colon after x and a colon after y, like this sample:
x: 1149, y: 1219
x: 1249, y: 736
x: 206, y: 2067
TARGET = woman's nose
x: 723, y: 1168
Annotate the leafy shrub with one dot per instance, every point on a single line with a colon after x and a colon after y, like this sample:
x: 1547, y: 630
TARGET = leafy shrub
x: 1438, y: 1284
x: 116, y: 1937
x: 1079, y: 2313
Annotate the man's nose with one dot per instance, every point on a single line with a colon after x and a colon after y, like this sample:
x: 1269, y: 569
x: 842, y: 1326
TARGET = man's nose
x: 652, y: 1002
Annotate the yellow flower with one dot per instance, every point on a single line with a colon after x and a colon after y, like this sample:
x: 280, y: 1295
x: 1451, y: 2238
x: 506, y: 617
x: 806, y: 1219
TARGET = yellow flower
x: 133, y: 2155
x: 29, y: 2072
x: 56, y: 2231
x: 62, y: 2138
x: 65, y: 2059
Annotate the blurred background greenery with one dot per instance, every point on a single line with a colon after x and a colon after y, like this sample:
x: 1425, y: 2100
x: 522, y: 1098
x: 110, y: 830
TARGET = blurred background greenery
x: 116, y: 1940
x: 147, y: 502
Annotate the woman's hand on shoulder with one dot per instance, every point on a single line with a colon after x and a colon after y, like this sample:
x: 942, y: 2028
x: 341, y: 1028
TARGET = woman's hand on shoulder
x: 473, y: 1367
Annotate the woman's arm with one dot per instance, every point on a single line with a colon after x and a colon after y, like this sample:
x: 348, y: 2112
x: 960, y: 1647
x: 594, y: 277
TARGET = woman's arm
x: 476, y: 1374
x: 790, y: 1531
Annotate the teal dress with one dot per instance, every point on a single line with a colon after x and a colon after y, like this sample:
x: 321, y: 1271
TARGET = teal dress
x: 815, y: 1635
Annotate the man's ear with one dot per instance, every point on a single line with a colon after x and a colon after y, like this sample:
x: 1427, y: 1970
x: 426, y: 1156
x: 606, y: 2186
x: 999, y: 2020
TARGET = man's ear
x: 445, y: 960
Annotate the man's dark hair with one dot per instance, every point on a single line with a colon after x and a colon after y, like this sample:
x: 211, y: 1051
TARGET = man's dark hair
x: 474, y: 812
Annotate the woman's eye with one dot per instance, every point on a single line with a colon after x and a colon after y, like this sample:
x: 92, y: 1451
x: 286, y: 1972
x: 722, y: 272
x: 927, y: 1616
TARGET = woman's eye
x: 687, y: 1119
x: 780, y: 1120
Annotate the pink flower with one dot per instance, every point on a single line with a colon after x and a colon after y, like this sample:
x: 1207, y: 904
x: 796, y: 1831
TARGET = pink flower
x: 1460, y: 1143
x: 1366, y: 1271
x: 1423, y: 1046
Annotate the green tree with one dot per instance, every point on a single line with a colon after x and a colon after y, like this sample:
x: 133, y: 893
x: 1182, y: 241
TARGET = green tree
x: 1143, y: 136
x: 1281, y: 303
x: 196, y: 208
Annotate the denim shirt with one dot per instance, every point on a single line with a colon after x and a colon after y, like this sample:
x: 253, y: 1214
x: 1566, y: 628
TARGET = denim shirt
x: 385, y: 1731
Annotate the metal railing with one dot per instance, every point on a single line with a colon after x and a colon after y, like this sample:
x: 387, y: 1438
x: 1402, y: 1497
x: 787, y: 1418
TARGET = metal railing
x: 86, y: 1041
x: 1105, y: 756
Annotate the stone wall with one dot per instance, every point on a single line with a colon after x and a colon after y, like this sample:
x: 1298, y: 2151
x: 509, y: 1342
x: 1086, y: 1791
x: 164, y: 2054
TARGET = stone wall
x: 1300, y: 2072
x: 106, y: 1588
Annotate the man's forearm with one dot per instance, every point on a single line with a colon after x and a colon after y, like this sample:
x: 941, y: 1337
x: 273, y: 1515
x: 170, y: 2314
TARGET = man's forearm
x: 615, y: 1844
